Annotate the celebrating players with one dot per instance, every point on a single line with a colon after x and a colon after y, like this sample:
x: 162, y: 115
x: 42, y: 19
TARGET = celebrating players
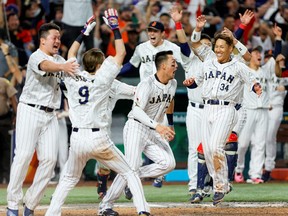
x: 88, y: 98
x: 37, y: 125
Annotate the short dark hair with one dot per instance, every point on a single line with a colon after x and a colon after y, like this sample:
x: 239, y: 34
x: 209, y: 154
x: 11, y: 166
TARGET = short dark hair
x: 92, y: 58
x: 161, y: 57
x: 224, y: 37
x: 43, y: 30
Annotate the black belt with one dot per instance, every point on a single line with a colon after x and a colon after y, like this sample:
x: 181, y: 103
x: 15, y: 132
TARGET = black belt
x: 46, y: 109
x: 77, y: 129
x: 141, y: 123
x: 216, y: 102
x: 201, y: 106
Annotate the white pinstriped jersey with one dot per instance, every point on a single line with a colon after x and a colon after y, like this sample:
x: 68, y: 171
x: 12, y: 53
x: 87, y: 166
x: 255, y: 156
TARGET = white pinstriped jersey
x: 118, y: 90
x: 224, y: 81
x: 276, y: 98
x: 41, y: 88
x: 144, y: 54
x: 253, y: 101
x: 149, y: 93
x: 88, y: 96
x: 191, y: 64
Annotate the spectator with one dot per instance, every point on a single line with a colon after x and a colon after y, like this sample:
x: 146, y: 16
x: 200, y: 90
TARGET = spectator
x: 9, y: 63
x: 7, y: 120
x: 32, y: 17
x: 22, y: 39
x: 75, y: 13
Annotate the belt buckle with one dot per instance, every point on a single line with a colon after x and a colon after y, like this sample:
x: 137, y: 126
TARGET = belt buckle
x: 46, y: 109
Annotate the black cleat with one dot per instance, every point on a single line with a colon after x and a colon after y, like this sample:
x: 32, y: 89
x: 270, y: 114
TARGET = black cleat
x: 217, y: 198
x: 128, y: 193
x: 144, y: 213
x: 108, y: 212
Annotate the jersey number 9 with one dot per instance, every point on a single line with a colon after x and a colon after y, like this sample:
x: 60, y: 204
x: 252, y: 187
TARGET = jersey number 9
x: 83, y: 92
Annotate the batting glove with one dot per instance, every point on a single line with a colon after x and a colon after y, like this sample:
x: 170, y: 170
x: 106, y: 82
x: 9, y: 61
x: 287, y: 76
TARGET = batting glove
x: 89, y: 25
x: 111, y: 18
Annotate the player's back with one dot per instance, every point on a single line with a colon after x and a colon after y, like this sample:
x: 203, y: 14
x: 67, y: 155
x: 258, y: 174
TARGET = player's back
x: 88, y: 96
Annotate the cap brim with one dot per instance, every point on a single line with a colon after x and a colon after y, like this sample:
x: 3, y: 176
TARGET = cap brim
x: 150, y: 27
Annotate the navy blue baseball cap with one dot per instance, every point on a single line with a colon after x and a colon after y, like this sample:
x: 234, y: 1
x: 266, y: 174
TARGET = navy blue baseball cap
x: 257, y: 48
x: 156, y: 25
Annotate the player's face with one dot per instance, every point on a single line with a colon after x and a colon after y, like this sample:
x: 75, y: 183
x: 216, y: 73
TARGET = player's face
x: 206, y: 42
x: 171, y: 66
x: 51, y: 43
x: 222, y: 51
x: 256, y: 57
x: 155, y: 37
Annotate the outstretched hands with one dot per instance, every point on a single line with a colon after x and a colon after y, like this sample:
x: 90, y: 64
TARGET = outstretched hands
x: 89, y: 25
x: 111, y: 18
x: 175, y: 14
x: 201, y: 21
x: 246, y: 17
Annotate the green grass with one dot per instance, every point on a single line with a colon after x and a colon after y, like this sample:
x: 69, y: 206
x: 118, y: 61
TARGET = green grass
x: 269, y: 192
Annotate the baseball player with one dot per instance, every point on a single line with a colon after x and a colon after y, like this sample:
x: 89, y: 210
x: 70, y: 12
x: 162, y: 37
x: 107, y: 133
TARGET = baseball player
x: 143, y: 132
x: 276, y: 99
x: 195, y: 107
x: 39, y: 99
x: 88, y: 95
x: 256, y: 123
x: 144, y: 54
x: 8, y: 100
x: 222, y: 81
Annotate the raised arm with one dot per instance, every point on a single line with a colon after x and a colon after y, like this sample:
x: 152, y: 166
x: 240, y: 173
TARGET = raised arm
x: 246, y: 55
x: 245, y: 20
x: 177, y: 16
x: 196, y: 35
x: 111, y: 19
x: 89, y: 25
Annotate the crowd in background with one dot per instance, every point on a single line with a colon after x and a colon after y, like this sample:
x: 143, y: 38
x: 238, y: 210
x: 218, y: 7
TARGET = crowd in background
x: 21, y: 19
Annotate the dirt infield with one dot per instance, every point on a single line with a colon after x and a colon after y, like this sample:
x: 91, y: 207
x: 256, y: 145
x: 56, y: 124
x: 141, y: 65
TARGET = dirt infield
x: 175, y: 209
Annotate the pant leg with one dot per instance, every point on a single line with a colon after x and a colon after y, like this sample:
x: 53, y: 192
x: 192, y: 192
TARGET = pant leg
x: 244, y: 140
x: 222, y: 120
x: 63, y: 143
x: 258, y: 144
x: 126, y: 168
x: 275, y: 118
x: 71, y: 174
x: 193, y: 124
x: 26, y: 139
x: 47, y: 150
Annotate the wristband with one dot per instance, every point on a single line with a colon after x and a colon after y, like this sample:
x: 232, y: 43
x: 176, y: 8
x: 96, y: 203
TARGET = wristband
x: 170, y: 119
x: 117, y: 34
x: 196, y: 36
x: 79, y: 39
x: 242, y: 26
x: 241, y: 48
x: 178, y: 25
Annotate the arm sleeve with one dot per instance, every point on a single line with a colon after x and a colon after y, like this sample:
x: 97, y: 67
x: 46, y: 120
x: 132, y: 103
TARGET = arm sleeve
x: 141, y: 116
x: 278, y: 47
x: 185, y: 49
x: 239, y: 33
x: 126, y: 68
